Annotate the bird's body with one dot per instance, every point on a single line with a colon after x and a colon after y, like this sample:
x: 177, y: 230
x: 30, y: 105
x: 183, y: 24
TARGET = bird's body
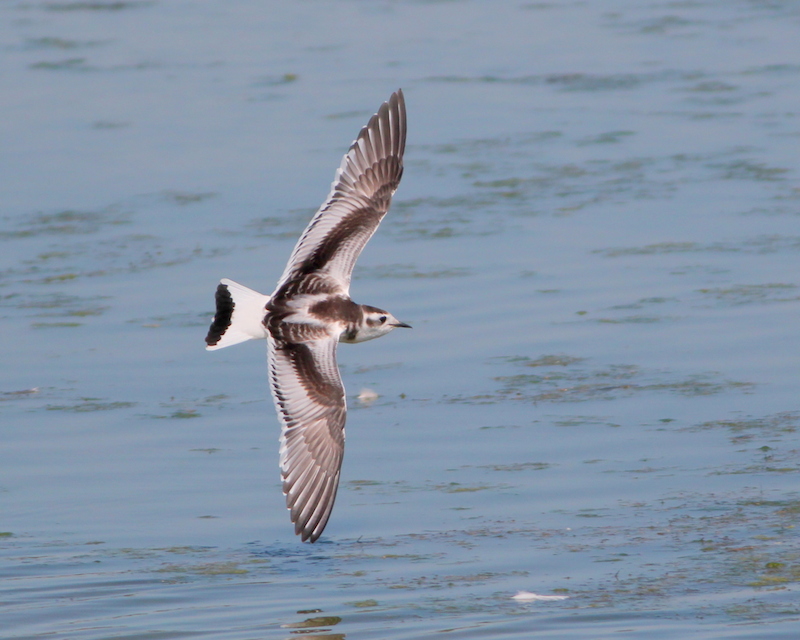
x: 310, y: 312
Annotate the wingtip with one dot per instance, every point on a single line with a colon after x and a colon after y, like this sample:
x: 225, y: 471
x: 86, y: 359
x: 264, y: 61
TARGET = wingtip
x: 397, y: 101
x: 310, y: 512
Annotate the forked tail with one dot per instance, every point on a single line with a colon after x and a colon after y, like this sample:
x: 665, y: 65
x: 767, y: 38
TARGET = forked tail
x: 239, y: 316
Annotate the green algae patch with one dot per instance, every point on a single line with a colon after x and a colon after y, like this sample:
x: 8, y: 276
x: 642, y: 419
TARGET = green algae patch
x: 184, y: 414
x: 91, y: 404
x: 518, y: 466
x: 310, y: 623
x: 55, y: 325
x: 208, y: 569
x: 455, y: 487
x: 363, y: 604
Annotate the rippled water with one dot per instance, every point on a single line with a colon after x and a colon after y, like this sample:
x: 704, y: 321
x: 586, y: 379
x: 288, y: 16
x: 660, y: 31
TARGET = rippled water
x: 596, y: 240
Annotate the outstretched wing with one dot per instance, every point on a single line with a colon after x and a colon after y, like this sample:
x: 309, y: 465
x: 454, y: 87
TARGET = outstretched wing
x: 309, y: 397
x: 360, y: 196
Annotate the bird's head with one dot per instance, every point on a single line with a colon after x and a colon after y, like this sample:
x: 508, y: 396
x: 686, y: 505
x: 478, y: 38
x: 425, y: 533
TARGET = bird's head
x: 375, y: 324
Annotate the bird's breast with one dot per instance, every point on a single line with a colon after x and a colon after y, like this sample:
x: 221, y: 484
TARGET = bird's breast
x: 305, y: 318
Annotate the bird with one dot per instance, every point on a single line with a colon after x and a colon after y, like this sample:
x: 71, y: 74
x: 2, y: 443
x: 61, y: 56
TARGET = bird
x: 311, y: 311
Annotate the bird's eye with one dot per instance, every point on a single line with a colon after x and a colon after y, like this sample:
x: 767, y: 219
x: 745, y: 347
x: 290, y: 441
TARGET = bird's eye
x: 382, y: 319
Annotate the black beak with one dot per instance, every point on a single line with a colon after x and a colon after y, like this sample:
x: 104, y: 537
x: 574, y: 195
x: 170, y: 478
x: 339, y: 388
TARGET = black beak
x: 402, y: 324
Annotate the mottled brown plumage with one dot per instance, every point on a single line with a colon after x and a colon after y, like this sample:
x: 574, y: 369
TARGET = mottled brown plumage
x: 310, y: 311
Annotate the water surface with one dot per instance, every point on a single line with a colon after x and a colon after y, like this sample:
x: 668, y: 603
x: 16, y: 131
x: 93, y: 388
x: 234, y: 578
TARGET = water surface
x: 596, y: 240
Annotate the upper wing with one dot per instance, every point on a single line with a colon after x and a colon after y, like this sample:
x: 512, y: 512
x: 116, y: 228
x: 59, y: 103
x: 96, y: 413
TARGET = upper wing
x: 309, y: 397
x: 360, y: 196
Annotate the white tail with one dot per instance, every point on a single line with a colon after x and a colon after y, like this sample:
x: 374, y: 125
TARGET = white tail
x: 239, y: 317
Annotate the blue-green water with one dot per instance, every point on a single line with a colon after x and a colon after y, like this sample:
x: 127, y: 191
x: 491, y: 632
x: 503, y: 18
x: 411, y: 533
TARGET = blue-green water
x: 597, y: 240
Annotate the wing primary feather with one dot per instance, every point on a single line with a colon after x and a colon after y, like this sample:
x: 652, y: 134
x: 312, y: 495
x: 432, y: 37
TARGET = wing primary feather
x: 304, y: 377
x: 309, y: 398
x: 360, y: 196
x: 317, y: 523
x: 306, y: 500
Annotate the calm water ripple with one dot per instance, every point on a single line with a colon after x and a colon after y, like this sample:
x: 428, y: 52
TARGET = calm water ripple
x: 596, y: 240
